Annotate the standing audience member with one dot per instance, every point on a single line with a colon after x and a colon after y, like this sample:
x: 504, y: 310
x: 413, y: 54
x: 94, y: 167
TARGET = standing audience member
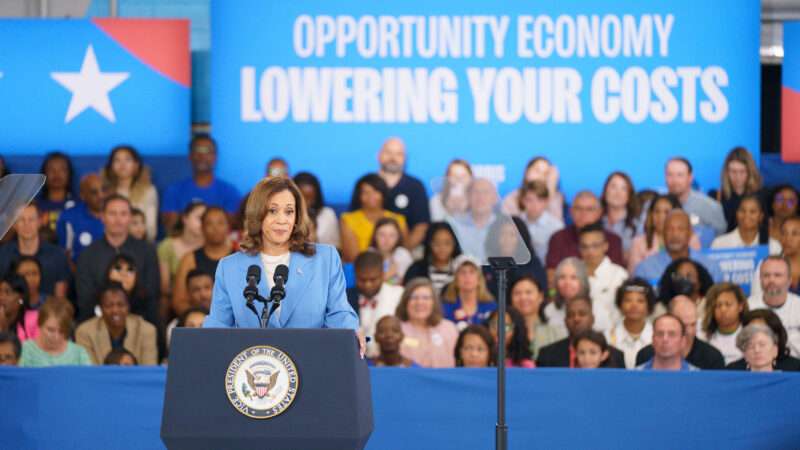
x: 472, y: 228
x: 389, y: 336
x: 387, y: 239
x: 324, y: 217
x: 571, y: 281
x: 429, y: 339
x: 604, y: 276
x: 669, y: 340
x: 441, y: 249
x: 117, y: 329
x: 704, y: 210
x: 784, y: 203
x: 80, y: 225
x: 725, y: 307
x: 635, y: 300
x: 94, y: 261
x: 533, y: 201
x: 56, y: 194
x: 16, y: 315
x: 475, y: 348
x: 592, y: 351
x: 783, y: 362
x: 652, y: 240
x: 685, y: 277
x: 202, y: 186
x: 538, y: 169
x: 445, y: 204
x: 790, y: 241
x: 217, y: 245
x: 125, y: 174
x: 620, y: 208
x: 55, y: 271
x: 750, y: 218
x: 52, y: 347
x: 775, y: 280
x: 187, y: 236
x: 467, y: 301
x: 760, y: 347
x: 739, y: 177
x: 10, y: 349
x: 527, y: 297
x: 368, y: 206
x: 405, y: 195
x: 518, y: 351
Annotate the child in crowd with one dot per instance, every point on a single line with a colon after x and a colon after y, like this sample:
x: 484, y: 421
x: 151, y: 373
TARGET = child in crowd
x: 475, y: 347
x: 518, y: 352
x: 591, y: 350
x: 387, y: 239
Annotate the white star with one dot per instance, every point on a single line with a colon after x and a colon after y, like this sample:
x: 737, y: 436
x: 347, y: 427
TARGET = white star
x: 90, y: 87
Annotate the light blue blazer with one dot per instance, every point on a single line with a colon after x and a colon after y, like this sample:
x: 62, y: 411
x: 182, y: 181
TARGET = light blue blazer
x: 315, y: 293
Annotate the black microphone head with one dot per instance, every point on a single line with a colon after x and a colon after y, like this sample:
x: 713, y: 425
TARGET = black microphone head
x: 281, y: 272
x: 254, y: 272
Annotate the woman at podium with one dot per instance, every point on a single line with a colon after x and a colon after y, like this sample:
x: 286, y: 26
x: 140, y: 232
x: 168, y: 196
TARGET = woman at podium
x: 276, y: 233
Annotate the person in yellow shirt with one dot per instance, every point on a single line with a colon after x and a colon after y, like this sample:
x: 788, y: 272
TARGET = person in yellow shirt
x: 357, y: 226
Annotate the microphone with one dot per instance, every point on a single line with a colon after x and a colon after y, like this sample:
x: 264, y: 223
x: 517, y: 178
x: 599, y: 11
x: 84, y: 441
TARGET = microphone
x: 253, y: 278
x: 280, y: 278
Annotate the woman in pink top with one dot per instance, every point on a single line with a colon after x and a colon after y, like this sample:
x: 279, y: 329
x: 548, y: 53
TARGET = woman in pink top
x: 15, y: 315
x: 518, y: 347
x: 652, y: 241
x: 430, y: 340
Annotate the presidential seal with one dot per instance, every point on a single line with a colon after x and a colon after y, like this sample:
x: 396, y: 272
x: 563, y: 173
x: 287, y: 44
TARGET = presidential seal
x: 261, y: 382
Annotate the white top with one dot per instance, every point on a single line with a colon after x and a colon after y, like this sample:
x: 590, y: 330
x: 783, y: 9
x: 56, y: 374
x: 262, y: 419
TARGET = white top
x: 270, y: 263
x: 603, y: 291
x: 734, y: 240
x: 541, y: 230
x: 438, y: 211
x: 402, y: 260
x: 386, y: 301
x: 726, y: 344
x: 328, y: 227
x: 789, y: 313
x: 619, y: 337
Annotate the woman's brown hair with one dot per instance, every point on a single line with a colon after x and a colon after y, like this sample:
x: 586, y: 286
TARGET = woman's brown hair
x: 451, y: 293
x: 258, y: 207
x: 709, y: 322
x: 739, y: 154
x: 402, y: 308
x: 59, y: 309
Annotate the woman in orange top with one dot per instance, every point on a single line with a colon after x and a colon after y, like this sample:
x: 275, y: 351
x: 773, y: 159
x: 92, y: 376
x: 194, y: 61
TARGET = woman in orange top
x: 358, y: 225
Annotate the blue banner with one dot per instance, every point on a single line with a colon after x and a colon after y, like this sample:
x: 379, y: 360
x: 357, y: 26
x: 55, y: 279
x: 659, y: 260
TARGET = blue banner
x: 738, y: 265
x: 84, y: 86
x: 594, y: 86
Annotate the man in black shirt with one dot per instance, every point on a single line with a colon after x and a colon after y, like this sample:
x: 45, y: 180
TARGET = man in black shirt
x: 579, y: 318
x: 696, y: 352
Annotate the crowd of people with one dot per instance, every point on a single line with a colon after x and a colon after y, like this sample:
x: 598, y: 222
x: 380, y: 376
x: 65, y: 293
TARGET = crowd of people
x: 617, y: 280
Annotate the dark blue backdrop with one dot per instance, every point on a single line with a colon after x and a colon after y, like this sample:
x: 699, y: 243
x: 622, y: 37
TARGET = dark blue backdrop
x: 419, y: 409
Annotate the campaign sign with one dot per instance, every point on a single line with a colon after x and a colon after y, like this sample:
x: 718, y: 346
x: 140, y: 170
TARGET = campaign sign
x: 84, y: 86
x: 738, y: 265
x: 790, y: 93
x: 595, y: 86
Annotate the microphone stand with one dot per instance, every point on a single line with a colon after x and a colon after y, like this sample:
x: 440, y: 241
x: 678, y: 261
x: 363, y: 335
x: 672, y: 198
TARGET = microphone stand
x: 501, y: 266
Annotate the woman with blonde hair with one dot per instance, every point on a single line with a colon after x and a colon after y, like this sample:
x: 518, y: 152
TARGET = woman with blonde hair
x: 126, y: 175
x: 739, y: 177
x: 467, y: 300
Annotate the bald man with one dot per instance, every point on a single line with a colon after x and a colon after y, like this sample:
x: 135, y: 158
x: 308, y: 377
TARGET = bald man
x: 80, y: 225
x: 677, y: 234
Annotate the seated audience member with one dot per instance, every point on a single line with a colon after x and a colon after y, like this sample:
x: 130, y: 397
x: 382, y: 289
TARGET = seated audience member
x: 192, y: 318
x: 685, y: 277
x: 56, y: 194
x: 527, y: 297
x: 739, y: 177
x: 216, y: 245
x: 766, y: 317
x: 389, y: 336
x: 79, y: 226
x: 199, y: 288
x: 441, y: 248
x: 620, y: 208
x: 635, y: 299
x: 368, y: 206
x: 277, y: 167
x: 724, y: 309
x: 125, y: 174
x: 604, y: 276
x: 186, y: 237
x: 138, y: 227
x: 123, y: 270
x: 120, y: 357
x: 30, y: 269
x: 696, y: 352
x: 430, y: 339
x: 405, y: 194
x: 16, y: 315
x: 508, y: 236
x: 750, y: 218
x: 323, y: 216
x: 652, y: 240
x: 759, y: 345
x: 533, y: 201
x: 52, y: 347
x: 585, y: 210
x: 790, y: 241
x: 538, y: 169
x: 592, y: 351
x: 445, y: 204
x: 94, y: 261
x: 476, y: 348
x: 669, y: 340
x: 775, y: 280
x: 372, y: 298
x: 518, y: 351
x: 117, y: 328
x: 55, y: 273
x: 387, y: 240
x: 472, y: 227
x: 784, y: 202
x: 704, y: 210
x: 677, y: 236
x: 578, y: 319
x: 467, y: 301
x: 202, y: 186
x: 571, y: 281
x: 10, y: 349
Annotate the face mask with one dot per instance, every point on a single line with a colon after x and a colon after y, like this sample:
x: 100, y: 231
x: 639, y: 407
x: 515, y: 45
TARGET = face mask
x: 682, y: 285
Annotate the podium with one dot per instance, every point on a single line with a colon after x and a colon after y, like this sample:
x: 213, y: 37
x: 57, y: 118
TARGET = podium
x: 281, y: 389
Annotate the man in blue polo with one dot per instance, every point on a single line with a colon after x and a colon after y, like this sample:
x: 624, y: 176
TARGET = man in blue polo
x: 669, y: 338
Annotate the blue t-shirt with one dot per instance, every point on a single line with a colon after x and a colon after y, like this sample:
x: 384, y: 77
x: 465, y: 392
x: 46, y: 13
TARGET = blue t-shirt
x: 219, y: 193
x: 454, y: 313
x: 77, y: 228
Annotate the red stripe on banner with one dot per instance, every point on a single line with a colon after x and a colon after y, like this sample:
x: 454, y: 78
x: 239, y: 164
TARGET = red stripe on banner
x: 161, y: 44
x: 790, y: 125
